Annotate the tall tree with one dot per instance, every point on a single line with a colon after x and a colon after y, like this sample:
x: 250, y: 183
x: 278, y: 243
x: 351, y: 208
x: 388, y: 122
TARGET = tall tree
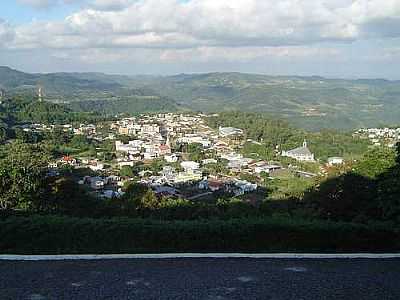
x: 22, y: 176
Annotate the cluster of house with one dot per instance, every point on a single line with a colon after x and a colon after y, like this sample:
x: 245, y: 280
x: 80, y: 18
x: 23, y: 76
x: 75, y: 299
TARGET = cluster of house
x: 93, y: 164
x: 234, y: 186
x: 150, y: 137
x: 153, y: 137
x: 104, y: 186
x: 88, y: 130
x: 380, y: 136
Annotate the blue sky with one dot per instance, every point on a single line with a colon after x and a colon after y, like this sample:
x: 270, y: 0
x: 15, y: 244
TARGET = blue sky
x: 19, y: 13
x: 334, y: 38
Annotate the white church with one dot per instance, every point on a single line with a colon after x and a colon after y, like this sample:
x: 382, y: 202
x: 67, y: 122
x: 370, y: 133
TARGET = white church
x: 300, y: 153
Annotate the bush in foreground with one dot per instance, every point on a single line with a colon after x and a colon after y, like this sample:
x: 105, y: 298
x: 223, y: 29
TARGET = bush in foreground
x: 51, y: 234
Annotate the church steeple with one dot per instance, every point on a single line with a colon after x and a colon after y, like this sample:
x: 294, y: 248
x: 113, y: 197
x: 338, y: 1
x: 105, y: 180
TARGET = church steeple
x: 305, y: 143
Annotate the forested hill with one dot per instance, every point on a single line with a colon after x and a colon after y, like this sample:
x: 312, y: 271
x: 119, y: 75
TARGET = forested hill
x: 56, y: 83
x: 309, y: 102
x: 87, y: 91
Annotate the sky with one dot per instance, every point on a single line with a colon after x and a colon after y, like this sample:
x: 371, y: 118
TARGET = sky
x: 331, y: 38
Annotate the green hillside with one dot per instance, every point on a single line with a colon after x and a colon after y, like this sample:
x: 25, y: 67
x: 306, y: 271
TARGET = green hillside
x: 90, y: 92
x: 309, y: 102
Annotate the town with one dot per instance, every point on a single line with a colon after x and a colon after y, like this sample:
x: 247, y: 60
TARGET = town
x: 177, y: 155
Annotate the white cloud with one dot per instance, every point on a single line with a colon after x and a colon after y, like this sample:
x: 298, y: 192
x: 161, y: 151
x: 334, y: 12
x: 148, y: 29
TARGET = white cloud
x: 221, y: 29
x: 6, y: 34
x: 245, y: 54
x: 110, y: 5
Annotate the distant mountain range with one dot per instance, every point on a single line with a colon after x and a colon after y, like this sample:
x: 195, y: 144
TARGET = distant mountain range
x: 310, y: 102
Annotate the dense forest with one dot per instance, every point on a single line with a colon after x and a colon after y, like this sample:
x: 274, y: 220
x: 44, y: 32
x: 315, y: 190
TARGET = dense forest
x: 128, y: 104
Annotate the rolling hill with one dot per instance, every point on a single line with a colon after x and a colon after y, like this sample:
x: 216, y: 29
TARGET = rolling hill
x: 310, y: 102
x: 87, y: 91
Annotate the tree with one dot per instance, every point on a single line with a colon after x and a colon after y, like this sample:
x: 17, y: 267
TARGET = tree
x: 22, y: 176
x: 127, y: 171
x: 150, y: 201
x: 67, y: 197
x: 343, y: 198
x: 80, y: 142
x: 3, y: 133
x: 376, y: 162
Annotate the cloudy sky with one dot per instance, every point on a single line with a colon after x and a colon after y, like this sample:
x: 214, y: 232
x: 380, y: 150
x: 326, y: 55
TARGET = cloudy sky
x: 334, y: 38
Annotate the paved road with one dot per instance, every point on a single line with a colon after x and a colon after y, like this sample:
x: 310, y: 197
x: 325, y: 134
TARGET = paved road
x: 202, y: 278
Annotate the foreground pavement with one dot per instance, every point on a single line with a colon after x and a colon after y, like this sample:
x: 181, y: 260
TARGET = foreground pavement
x: 201, y: 278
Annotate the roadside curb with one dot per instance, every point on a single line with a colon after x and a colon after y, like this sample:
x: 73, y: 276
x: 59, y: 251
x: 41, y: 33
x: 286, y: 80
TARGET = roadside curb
x: 202, y: 255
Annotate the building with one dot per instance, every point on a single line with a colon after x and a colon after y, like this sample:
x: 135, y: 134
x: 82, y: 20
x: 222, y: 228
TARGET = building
x: 335, y: 161
x: 243, y: 186
x: 68, y: 160
x: 190, y: 166
x: 96, y: 166
x: 171, y: 158
x: 96, y: 183
x: 266, y: 168
x: 123, y: 130
x: 300, y: 153
x: 209, y: 161
x: 132, y: 147
x: 187, y: 176
x: 211, y: 184
x: 164, y: 149
x: 150, y: 129
x: 229, y: 131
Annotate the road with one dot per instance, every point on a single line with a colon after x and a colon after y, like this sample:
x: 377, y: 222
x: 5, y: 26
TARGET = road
x: 201, y: 278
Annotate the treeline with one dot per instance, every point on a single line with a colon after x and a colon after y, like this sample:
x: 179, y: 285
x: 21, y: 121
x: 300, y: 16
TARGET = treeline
x: 51, y: 113
x: 128, y: 104
x: 370, y: 191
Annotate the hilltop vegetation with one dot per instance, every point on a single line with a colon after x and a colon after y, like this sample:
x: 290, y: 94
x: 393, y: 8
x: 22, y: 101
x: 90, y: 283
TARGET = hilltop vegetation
x: 129, y: 105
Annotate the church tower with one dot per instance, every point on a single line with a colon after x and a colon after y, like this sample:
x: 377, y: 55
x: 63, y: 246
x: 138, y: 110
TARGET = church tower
x: 305, y: 143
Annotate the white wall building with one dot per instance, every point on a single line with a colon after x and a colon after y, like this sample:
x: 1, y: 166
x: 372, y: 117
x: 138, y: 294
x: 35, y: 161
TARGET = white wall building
x: 335, y: 161
x: 300, y: 153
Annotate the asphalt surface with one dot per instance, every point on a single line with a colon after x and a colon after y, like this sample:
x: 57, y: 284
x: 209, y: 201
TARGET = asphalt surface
x: 202, y: 278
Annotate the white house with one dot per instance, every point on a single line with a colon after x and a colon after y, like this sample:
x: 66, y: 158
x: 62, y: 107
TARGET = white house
x: 131, y: 147
x: 209, y: 161
x: 266, y: 168
x: 335, y: 161
x: 228, y: 131
x: 96, y: 166
x: 190, y: 166
x: 123, y: 163
x: 171, y: 158
x: 96, y: 183
x: 243, y: 186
